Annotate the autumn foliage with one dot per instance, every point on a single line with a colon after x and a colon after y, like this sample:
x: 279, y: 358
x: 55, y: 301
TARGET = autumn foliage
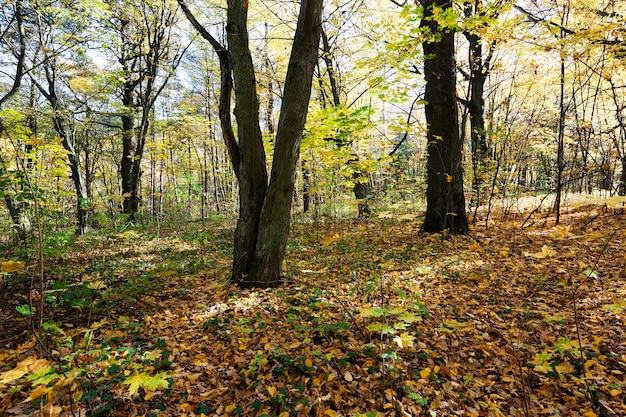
x: 375, y: 318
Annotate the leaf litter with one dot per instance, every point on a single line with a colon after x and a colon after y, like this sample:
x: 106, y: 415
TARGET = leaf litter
x: 374, y: 318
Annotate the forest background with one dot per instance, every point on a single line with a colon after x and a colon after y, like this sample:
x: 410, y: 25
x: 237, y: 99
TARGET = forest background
x: 112, y: 143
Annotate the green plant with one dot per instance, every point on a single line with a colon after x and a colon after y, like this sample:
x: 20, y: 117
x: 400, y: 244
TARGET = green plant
x: 97, y: 376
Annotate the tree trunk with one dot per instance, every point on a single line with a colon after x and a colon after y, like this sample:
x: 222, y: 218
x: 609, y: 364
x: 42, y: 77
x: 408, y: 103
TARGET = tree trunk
x: 69, y: 144
x: 444, y: 194
x: 476, y: 106
x: 621, y: 186
x: 360, y: 188
x: 264, y: 210
x: 560, y: 153
x: 78, y: 178
x: 16, y: 209
x: 130, y: 160
x: 250, y: 168
x: 271, y: 243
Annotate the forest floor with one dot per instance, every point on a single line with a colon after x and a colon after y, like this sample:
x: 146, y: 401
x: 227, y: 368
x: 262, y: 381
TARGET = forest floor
x: 374, y: 318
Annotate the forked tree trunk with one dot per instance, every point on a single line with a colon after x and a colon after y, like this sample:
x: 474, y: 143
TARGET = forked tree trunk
x: 444, y: 195
x: 264, y: 209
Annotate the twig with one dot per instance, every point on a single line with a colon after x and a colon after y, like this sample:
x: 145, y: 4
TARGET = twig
x: 575, y: 289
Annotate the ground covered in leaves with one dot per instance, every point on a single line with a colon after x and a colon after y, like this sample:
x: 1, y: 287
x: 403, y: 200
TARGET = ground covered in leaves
x: 374, y: 318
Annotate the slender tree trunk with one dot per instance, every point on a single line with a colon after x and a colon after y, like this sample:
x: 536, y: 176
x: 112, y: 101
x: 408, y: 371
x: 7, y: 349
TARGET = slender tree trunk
x: 20, y: 220
x: 560, y: 155
x: 621, y: 187
x: 444, y: 194
x: 476, y: 106
x: 361, y: 183
x: 306, y: 187
x: 68, y: 142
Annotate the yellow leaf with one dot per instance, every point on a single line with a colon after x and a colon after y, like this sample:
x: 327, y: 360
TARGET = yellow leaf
x: 38, y: 392
x: 389, y: 394
x: 308, y: 362
x: 561, y: 231
x: 11, y: 266
x: 271, y: 390
x: 404, y: 340
x: 589, y: 413
x: 147, y: 382
x: 51, y: 410
x: 424, y: 373
x: 348, y: 376
x: 12, y: 375
x: 546, y: 252
x: 564, y: 368
x: 615, y: 392
x: 475, y: 247
x: 330, y: 413
x: 29, y: 365
x: 230, y: 408
x: 330, y: 239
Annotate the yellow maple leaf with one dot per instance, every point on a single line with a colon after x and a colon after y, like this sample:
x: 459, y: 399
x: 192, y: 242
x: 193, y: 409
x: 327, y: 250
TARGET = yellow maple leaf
x: 11, y: 266
x: 546, y: 252
x: 404, y: 340
x: 424, y: 373
x: 475, y: 247
x: 29, y: 365
x: 38, y: 392
x: 147, y: 382
x: 330, y: 239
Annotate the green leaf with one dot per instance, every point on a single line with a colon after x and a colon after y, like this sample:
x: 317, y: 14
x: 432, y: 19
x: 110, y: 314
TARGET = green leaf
x: 591, y: 273
x: 25, y: 310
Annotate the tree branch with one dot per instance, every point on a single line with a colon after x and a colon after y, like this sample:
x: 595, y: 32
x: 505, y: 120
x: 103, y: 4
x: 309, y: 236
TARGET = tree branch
x: 226, y: 88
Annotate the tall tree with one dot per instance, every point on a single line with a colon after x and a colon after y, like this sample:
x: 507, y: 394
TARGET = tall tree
x: 478, y: 15
x: 13, y: 42
x: 264, y: 209
x: 145, y: 49
x: 445, y: 199
x: 361, y: 181
x: 59, y: 42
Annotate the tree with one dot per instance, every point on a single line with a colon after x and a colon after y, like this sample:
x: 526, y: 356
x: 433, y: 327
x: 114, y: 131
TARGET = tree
x: 361, y: 181
x: 444, y: 194
x: 264, y: 208
x: 59, y: 40
x: 12, y: 35
x: 478, y: 16
x: 147, y: 55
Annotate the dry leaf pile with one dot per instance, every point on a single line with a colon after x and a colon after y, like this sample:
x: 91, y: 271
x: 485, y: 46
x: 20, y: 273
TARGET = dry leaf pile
x: 374, y: 318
